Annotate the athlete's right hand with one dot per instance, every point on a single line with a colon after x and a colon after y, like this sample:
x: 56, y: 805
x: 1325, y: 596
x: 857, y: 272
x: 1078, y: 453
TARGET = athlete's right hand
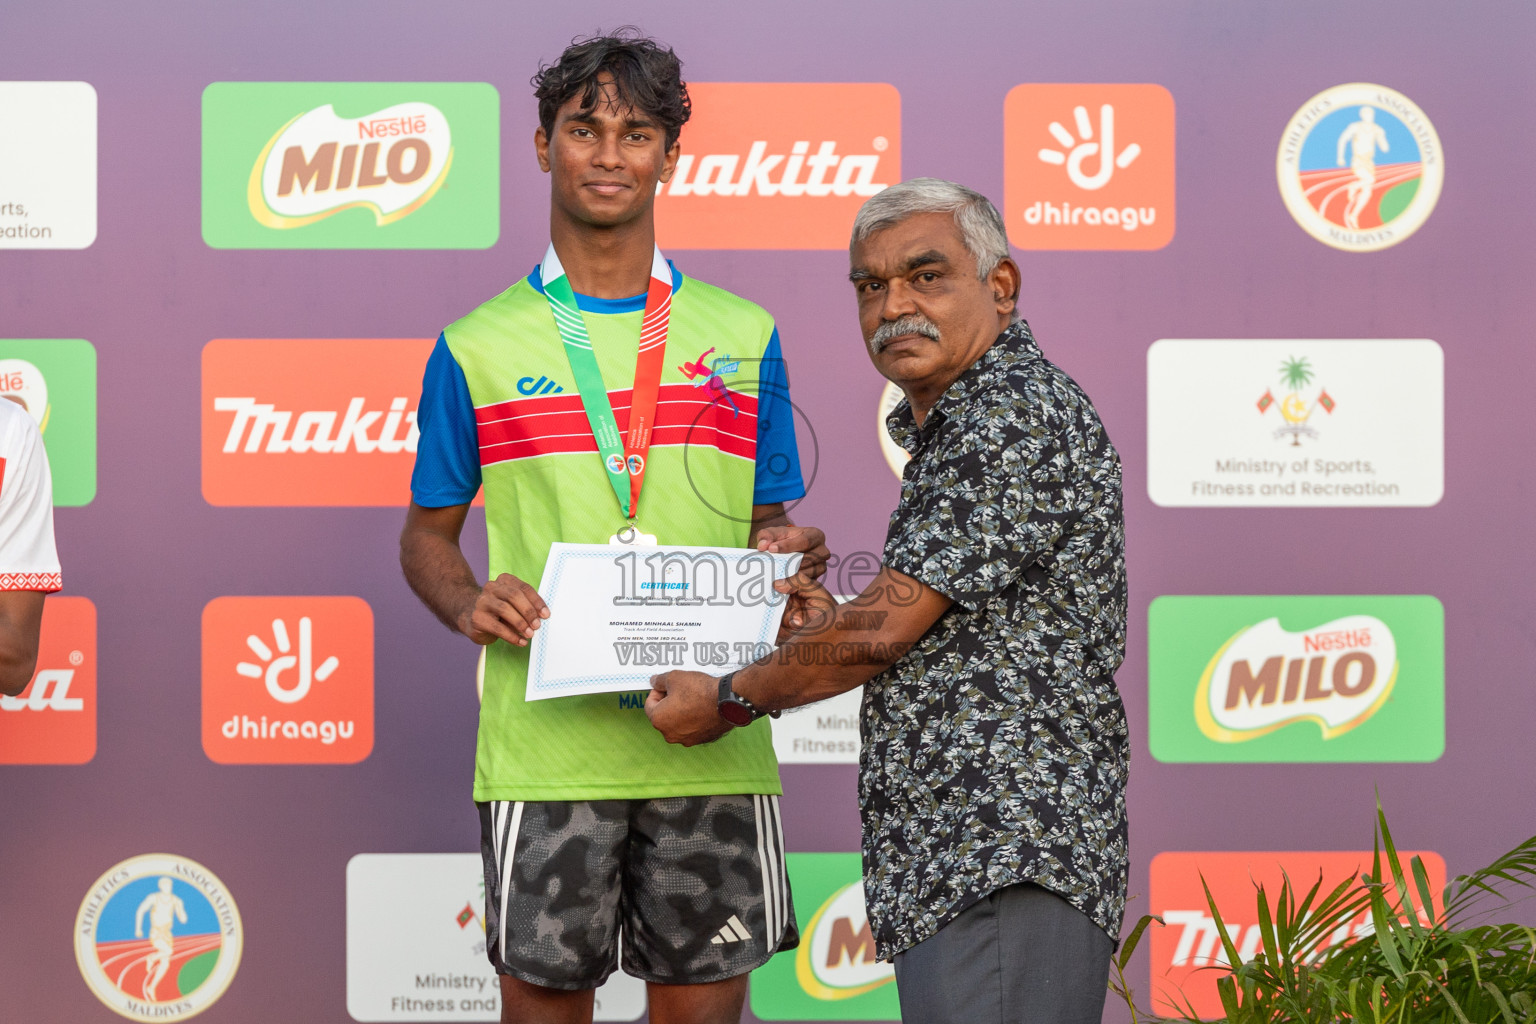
x: 508, y: 609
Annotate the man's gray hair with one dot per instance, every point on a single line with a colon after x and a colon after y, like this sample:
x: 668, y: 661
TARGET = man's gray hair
x: 980, y: 225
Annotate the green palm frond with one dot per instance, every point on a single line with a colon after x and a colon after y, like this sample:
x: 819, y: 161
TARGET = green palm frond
x: 1419, y: 961
x: 1296, y: 373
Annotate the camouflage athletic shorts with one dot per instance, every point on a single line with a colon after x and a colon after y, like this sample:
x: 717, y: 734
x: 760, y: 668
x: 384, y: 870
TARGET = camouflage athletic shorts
x: 696, y: 885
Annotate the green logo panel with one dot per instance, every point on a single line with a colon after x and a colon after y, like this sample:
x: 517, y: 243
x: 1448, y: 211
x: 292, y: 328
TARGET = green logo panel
x: 1296, y: 679
x: 833, y: 975
x: 55, y: 381
x: 351, y: 165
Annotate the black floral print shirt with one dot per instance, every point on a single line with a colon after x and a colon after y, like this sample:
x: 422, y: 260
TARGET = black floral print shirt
x: 995, y: 750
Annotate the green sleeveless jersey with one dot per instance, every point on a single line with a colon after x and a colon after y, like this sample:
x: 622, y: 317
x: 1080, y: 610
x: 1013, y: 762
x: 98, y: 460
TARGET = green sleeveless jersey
x: 722, y: 406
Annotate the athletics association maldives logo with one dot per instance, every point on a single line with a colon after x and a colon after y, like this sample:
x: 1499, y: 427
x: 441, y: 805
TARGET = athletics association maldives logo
x: 1295, y: 409
x: 1360, y: 167
x: 1266, y: 677
x: 158, y: 938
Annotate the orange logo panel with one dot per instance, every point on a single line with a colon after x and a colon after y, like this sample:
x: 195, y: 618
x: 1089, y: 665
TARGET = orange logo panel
x: 310, y: 422
x: 1088, y: 166
x: 779, y: 165
x: 1187, y: 945
x: 287, y: 680
x: 53, y: 721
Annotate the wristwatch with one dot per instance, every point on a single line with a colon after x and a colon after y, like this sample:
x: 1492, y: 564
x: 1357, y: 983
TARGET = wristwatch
x: 735, y: 708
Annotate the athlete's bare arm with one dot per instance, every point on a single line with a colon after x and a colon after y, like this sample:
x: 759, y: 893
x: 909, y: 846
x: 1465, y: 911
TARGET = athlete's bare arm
x: 21, y: 619
x: 437, y: 571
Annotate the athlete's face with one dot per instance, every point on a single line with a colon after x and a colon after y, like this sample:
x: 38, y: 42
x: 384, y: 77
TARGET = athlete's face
x: 605, y: 163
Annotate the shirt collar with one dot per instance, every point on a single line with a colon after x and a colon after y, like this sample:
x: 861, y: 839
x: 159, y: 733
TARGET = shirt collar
x: 1015, y: 345
x: 592, y: 304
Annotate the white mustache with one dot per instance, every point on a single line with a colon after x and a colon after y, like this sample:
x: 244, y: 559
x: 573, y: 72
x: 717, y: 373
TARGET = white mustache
x: 911, y: 323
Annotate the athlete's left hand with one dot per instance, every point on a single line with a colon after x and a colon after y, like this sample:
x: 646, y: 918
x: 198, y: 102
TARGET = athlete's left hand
x: 787, y: 539
x: 684, y: 707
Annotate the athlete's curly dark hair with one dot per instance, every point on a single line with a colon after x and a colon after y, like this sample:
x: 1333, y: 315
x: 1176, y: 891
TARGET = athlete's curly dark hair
x: 647, y: 75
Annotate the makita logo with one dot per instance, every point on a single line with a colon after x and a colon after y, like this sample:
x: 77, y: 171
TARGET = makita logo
x: 263, y: 427
x: 49, y: 692
x: 334, y: 408
x: 53, y: 720
x: 800, y: 172
x: 779, y: 165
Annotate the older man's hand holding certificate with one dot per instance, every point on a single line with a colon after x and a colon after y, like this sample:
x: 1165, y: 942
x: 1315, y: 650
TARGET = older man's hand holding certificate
x: 619, y: 614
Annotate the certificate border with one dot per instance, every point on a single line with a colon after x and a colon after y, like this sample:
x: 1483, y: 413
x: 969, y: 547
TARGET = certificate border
x: 565, y: 555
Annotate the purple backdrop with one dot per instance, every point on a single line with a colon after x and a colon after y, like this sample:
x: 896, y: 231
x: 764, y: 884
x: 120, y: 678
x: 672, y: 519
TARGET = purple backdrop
x: 149, y: 294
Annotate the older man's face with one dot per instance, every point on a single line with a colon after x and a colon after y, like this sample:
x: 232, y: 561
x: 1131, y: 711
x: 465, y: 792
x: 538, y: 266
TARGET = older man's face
x: 924, y: 313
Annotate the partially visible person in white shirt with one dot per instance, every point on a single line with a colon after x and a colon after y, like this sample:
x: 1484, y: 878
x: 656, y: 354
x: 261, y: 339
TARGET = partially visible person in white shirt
x: 29, y: 562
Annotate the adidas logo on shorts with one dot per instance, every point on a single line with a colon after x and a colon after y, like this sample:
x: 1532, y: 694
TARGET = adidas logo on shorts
x: 734, y: 931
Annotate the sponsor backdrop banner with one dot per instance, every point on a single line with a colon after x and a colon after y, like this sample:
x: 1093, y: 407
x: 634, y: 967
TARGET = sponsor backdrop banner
x: 1291, y: 270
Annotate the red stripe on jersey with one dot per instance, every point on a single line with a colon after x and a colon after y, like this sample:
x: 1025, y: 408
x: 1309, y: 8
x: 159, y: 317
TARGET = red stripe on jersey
x: 552, y: 424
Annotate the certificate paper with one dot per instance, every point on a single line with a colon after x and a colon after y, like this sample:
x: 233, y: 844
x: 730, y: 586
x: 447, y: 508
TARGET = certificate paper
x: 620, y: 614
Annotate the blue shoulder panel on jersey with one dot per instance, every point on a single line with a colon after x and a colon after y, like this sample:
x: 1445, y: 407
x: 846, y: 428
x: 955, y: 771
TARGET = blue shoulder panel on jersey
x: 448, y: 454
x: 778, y: 459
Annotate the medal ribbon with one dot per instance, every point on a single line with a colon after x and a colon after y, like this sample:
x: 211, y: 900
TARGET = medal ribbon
x: 624, y: 462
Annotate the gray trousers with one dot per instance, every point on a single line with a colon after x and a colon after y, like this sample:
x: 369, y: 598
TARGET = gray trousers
x: 1022, y: 955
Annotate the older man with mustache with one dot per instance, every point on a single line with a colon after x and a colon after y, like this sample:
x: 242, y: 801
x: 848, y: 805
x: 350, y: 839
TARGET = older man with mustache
x: 992, y: 779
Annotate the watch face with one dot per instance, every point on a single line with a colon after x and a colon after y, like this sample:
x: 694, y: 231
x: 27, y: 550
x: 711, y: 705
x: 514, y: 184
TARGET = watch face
x: 735, y: 712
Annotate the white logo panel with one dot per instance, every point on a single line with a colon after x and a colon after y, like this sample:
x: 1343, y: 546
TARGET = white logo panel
x: 826, y: 732
x: 47, y: 165
x: 416, y: 944
x: 1295, y: 423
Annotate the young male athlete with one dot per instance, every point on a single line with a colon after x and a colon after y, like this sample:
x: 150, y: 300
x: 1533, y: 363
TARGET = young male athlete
x: 566, y: 397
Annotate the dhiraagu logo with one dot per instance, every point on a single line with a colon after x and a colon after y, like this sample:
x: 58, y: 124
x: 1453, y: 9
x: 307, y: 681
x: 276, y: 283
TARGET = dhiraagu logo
x: 293, y: 165
x: 833, y: 974
x: 1297, y: 679
x: 55, y: 381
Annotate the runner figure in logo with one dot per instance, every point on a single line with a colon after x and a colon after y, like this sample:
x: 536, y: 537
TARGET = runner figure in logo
x: 712, y: 383
x: 181, y: 962
x: 1360, y: 167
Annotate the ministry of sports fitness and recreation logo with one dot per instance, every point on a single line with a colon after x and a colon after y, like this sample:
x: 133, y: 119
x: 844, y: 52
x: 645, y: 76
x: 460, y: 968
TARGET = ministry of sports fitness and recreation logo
x: 1088, y: 166
x: 158, y: 938
x: 287, y: 680
x: 779, y: 165
x: 310, y: 422
x: 350, y: 165
x: 1296, y: 679
x: 54, y: 379
x: 47, y: 165
x: 1186, y: 945
x: 53, y: 720
x: 1360, y: 167
x: 1298, y: 402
